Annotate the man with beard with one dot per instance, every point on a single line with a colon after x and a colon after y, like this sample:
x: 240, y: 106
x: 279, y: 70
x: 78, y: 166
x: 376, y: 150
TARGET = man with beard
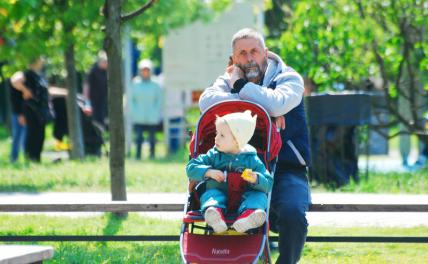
x: 260, y: 76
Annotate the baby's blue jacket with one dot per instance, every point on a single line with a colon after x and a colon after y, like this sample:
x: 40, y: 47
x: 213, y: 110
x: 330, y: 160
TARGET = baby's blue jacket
x: 215, y: 159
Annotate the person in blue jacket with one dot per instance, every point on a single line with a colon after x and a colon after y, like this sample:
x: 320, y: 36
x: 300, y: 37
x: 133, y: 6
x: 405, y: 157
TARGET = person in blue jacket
x: 146, y: 103
x: 260, y: 76
x: 232, y: 153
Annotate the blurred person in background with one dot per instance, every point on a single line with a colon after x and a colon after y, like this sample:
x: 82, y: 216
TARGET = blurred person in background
x: 146, y: 102
x: 35, y: 106
x: 19, y: 125
x: 96, y: 89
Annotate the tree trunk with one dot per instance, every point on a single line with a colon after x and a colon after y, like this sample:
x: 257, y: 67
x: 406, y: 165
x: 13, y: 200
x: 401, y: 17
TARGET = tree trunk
x: 73, y: 114
x: 113, y: 47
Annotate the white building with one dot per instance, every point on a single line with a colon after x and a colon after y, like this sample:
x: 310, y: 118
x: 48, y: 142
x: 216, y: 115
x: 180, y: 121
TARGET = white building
x: 195, y: 55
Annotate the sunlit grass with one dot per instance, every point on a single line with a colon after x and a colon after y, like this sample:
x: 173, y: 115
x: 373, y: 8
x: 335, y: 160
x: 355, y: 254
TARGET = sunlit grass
x: 168, y: 252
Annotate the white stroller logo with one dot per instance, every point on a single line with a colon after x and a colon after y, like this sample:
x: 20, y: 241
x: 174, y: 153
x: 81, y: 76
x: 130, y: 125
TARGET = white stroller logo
x: 220, y: 251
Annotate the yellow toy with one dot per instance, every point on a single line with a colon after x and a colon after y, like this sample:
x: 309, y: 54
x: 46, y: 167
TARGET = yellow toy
x: 246, y: 175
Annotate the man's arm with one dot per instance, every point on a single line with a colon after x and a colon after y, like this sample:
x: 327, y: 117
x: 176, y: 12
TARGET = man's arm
x: 219, y: 91
x: 287, y: 95
x: 17, y: 80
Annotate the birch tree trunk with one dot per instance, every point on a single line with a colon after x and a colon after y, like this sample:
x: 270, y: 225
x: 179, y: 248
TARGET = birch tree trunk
x: 113, y: 47
x: 73, y: 114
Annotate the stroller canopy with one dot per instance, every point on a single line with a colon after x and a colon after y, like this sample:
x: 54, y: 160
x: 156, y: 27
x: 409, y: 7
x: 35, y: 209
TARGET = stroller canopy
x: 266, y: 139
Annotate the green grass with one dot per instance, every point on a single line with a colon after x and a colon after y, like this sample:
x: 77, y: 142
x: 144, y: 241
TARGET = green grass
x: 92, y: 176
x: 168, y: 252
x: 164, y: 174
x: 99, y: 252
x: 406, y: 182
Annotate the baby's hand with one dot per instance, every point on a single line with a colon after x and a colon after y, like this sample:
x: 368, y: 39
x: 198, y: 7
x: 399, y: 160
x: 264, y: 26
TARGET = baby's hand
x: 249, y: 176
x: 215, y: 174
x: 280, y: 122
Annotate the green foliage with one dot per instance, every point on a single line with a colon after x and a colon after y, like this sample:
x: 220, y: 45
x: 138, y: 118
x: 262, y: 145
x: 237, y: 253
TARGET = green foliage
x: 34, y: 28
x: 149, y: 28
x: 334, y: 42
x: 31, y: 28
x: 323, y: 46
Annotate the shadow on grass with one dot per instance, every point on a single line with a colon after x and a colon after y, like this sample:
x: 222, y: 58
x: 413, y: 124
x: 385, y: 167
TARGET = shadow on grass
x: 27, y: 188
x: 114, y: 223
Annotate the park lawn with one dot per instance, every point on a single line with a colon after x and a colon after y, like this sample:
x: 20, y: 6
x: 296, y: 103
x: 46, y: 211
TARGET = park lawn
x: 393, y: 182
x: 92, y: 176
x: 164, y: 174
x: 161, y: 175
x: 168, y: 252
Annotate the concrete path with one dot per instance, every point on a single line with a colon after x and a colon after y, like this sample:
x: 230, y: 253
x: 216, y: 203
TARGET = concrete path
x: 314, y: 218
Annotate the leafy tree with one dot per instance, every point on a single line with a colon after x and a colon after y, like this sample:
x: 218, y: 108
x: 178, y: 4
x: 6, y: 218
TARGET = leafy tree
x: 54, y: 28
x: 70, y: 32
x: 344, y: 42
x: 156, y: 20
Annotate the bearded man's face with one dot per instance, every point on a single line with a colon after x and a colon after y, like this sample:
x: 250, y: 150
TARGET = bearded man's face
x: 251, y: 57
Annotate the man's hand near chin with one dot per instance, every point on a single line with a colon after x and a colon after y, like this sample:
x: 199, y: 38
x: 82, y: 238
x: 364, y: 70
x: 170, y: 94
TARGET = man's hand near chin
x: 235, y: 74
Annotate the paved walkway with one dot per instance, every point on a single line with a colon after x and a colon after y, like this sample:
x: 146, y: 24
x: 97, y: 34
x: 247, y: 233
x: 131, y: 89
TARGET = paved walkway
x: 314, y: 218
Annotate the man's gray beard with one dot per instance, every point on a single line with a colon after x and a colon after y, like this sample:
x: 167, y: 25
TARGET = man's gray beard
x: 253, y: 73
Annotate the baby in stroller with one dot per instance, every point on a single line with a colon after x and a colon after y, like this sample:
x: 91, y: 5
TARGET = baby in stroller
x: 232, y: 153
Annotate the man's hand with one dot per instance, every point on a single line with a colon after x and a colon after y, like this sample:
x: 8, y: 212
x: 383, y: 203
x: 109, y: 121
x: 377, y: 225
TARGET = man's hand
x: 215, y: 174
x: 280, y: 122
x: 17, y: 81
x: 26, y: 94
x: 236, y: 74
x: 21, y: 120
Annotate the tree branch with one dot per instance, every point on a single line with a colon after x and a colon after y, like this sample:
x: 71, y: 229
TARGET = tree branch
x: 381, y: 124
x: 138, y: 12
x: 405, y: 30
x: 385, y: 88
x: 385, y: 135
x: 360, y: 8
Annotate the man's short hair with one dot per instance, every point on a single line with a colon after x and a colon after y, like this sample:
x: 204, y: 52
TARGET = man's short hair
x: 102, y: 56
x: 247, y: 33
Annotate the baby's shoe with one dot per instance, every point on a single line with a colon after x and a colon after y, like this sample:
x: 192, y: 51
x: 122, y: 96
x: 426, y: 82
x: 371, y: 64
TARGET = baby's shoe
x: 249, y: 219
x: 214, y: 218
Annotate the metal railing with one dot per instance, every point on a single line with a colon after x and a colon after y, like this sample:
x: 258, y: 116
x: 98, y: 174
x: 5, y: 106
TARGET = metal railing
x: 117, y: 207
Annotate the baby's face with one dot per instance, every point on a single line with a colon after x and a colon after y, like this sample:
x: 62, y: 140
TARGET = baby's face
x: 224, y: 140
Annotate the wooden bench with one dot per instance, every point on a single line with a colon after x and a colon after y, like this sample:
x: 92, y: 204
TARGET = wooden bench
x: 23, y: 254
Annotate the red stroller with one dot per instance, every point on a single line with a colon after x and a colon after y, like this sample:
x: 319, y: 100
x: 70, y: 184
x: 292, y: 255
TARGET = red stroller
x: 198, y: 243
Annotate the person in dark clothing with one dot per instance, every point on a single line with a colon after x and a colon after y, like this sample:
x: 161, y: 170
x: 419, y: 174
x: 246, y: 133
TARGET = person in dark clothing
x: 35, y: 106
x: 97, y: 89
x: 92, y: 133
x: 19, y: 126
